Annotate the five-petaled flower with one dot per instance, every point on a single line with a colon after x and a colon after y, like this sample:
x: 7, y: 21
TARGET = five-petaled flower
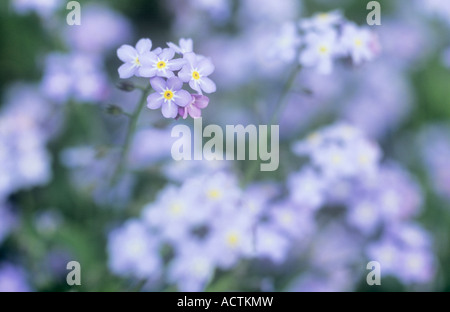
x: 186, y: 46
x: 132, y: 58
x: 194, y: 108
x: 196, y: 72
x: 160, y: 65
x: 169, y: 96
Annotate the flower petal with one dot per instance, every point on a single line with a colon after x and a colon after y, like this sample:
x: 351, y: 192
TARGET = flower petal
x: 144, y: 45
x: 174, y: 83
x: 174, y: 47
x: 157, y: 51
x: 148, y: 59
x: 191, y: 58
x: 169, y: 109
x: 185, y: 74
x: 166, y: 74
x: 155, y: 100
x: 176, y: 64
x: 127, y: 53
x: 182, y: 111
x: 205, y: 67
x: 147, y: 71
x: 195, y: 86
x: 126, y: 71
x: 200, y: 101
x: 207, y: 85
x: 158, y: 84
x: 186, y: 45
x: 167, y: 54
x: 182, y: 98
x: 195, y: 112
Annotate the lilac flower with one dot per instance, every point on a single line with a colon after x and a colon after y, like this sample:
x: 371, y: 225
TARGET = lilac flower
x: 340, y: 151
x: 410, y: 263
x: 44, y: 8
x: 231, y: 241
x: 192, y: 268
x: 358, y: 42
x: 132, y: 58
x: 134, y: 251
x: 172, y: 215
x: 196, y: 72
x: 293, y: 220
x: 169, y: 96
x: 185, y: 46
x: 271, y: 244
x: 160, y: 64
x: 285, y: 44
x: 13, y: 279
x: 400, y: 197
x: 307, y: 188
x: 322, y: 21
x: 194, y: 108
x: 364, y: 215
x: 321, y: 49
x: 24, y: 159
x: 76, y: 75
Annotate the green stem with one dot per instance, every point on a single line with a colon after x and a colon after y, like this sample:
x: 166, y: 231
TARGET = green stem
x: 132, y: 125
x: 282, y: 102
x: 253, y: 168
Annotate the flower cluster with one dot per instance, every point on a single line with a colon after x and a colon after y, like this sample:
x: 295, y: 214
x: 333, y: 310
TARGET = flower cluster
x: 168, y: 74
x: 380, y: 200
x: 24, y: 133
x: 329, y: 36
x: 435, y: 149
x: 208, y: 222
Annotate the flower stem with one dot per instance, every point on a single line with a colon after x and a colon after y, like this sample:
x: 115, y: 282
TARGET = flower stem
x: 281, y: 104
x: 132, y: 125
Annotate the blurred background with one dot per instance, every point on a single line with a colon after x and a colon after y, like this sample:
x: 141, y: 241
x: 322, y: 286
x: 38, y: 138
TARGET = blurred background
x: 312, y: 225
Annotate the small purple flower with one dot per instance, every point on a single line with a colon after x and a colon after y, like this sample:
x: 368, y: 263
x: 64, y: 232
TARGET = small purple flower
x: 196, y: 72
x: 162, y: 64
x: 168, y: 95
x: 194, y: 108
x: 185, y: 46
x: 132, y: 57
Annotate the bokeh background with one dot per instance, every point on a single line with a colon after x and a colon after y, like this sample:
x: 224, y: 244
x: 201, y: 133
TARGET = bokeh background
x: 62, y: 125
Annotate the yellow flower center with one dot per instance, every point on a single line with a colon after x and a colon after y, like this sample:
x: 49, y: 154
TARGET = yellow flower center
x: 323, y: 16
x: 168, y: 95
x: 336, y: 159
x: 363, y: 159
x: 233, y: 240
x: 196, y: 75
x: 358, y: 42
x: 137, y: 62
x: 176, y: 209
x: 161, y: 65
x: 214, y: 194
x: 323, y: 49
